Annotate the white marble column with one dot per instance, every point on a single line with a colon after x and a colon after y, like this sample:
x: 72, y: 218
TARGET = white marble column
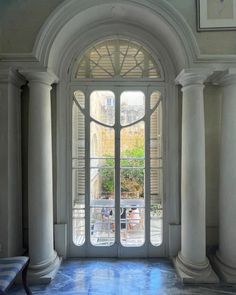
x: 225, y: 259
x: 192, y: 263
x: 44, y: 260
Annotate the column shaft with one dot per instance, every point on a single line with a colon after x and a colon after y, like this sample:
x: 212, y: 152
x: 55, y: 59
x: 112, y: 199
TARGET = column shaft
x: 40, y: 174
x: 193, y: 176
x: 192, y: 263
x: 44, y: 260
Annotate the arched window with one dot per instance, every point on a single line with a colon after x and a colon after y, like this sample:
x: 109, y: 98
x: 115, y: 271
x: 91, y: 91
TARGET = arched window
x: 117, y: 148
x: 120, y: 58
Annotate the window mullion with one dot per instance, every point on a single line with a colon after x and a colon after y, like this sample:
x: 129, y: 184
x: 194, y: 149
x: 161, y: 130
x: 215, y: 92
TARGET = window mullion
x: 87, y: 168
x: 147, y: 167
x: 117, y: 164
x: 117, y: 58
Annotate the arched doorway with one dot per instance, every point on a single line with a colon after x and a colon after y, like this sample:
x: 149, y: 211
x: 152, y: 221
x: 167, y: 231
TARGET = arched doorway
x: 63, y: 42
x: 117, y: 151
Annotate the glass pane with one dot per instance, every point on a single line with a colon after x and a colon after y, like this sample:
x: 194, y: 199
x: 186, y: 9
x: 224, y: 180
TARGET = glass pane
x: 156, y: 215
x: 78, y: 175
x: 78, y: 133
x: 132, y: 207
x: 102, y: 225
x: 102, y: 107
x: 156, y: 181
x: 102, y: 162
x: 155, y: 148
x: 132, y: 162
x: 117, y: 58
x: 155, y: 96
x: 156, y: 163
x: 78, y: 224
x: 78, y: 206
x: 132, y: 183
x: 132, y: 104
x: 132, y: 226
x: 80, y: 98
x: 132, y: 141
x: 101, y: 141
x: 102, y: 184
x: 156, y: 224
x: 78, y: 163
x: 156, y: 133
x: 156, y: 172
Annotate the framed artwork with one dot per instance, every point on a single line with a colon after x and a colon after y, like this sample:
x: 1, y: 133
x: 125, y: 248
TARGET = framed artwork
x: 216, y: 15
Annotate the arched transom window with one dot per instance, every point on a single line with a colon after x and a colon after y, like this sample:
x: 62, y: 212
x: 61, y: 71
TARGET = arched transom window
x: 117, y: 59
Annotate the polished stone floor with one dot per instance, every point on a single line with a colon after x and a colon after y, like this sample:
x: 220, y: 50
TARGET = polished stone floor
x: 121, y: 277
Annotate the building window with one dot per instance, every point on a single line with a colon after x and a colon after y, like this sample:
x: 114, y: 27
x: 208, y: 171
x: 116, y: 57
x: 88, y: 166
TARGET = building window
x: 117, y: 149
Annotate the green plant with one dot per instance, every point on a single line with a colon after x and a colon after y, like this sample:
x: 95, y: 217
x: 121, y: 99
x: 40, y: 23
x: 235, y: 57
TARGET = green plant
x: 107, y: 180
x: 132, y: 180
x: 156, y: 210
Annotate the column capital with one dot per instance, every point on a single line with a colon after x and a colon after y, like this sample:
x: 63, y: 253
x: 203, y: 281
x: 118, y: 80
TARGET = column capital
x: 193, y: 76
x: 226, y: 77
x: 40, y: 76
x: 10, y: 75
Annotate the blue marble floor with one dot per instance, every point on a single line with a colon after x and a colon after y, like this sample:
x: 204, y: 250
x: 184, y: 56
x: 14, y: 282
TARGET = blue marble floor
x: 121, y: 277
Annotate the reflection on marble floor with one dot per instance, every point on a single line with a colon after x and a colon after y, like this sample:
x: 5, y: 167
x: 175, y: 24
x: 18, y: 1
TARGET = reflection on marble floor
x: 121, y: 277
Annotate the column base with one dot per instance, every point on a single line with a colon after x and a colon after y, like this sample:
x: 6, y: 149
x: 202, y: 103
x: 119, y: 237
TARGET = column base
x: 194, y: 274
x: 226, y: 271
x: 44, y: 272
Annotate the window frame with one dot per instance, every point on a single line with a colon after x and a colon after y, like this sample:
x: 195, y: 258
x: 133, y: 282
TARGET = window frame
x: 147, y: 249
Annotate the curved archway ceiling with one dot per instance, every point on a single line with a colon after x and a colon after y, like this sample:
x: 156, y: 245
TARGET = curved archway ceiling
x: 117, y: 59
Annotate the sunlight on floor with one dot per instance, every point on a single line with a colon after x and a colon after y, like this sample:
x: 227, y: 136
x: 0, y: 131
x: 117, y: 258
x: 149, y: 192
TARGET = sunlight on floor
x: 121, y: 277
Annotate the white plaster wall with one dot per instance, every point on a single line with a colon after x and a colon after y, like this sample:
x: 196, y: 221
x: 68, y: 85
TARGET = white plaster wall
x: 17, y: 36
x: 10, y: 172
x: 3, y: 170
x: 20, y: 22
x: 212, y: 105
x: 14, y: 173
x: 208, y: 42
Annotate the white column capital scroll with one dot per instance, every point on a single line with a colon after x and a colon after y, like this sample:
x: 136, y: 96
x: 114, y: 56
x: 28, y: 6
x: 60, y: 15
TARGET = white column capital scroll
x: 193, y: 76
x: 40, y: 76
x: 10, y: 75
x: 225, y: 78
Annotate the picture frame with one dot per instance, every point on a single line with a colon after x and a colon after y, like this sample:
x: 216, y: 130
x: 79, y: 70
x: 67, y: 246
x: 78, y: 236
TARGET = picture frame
x: 216, y: 15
